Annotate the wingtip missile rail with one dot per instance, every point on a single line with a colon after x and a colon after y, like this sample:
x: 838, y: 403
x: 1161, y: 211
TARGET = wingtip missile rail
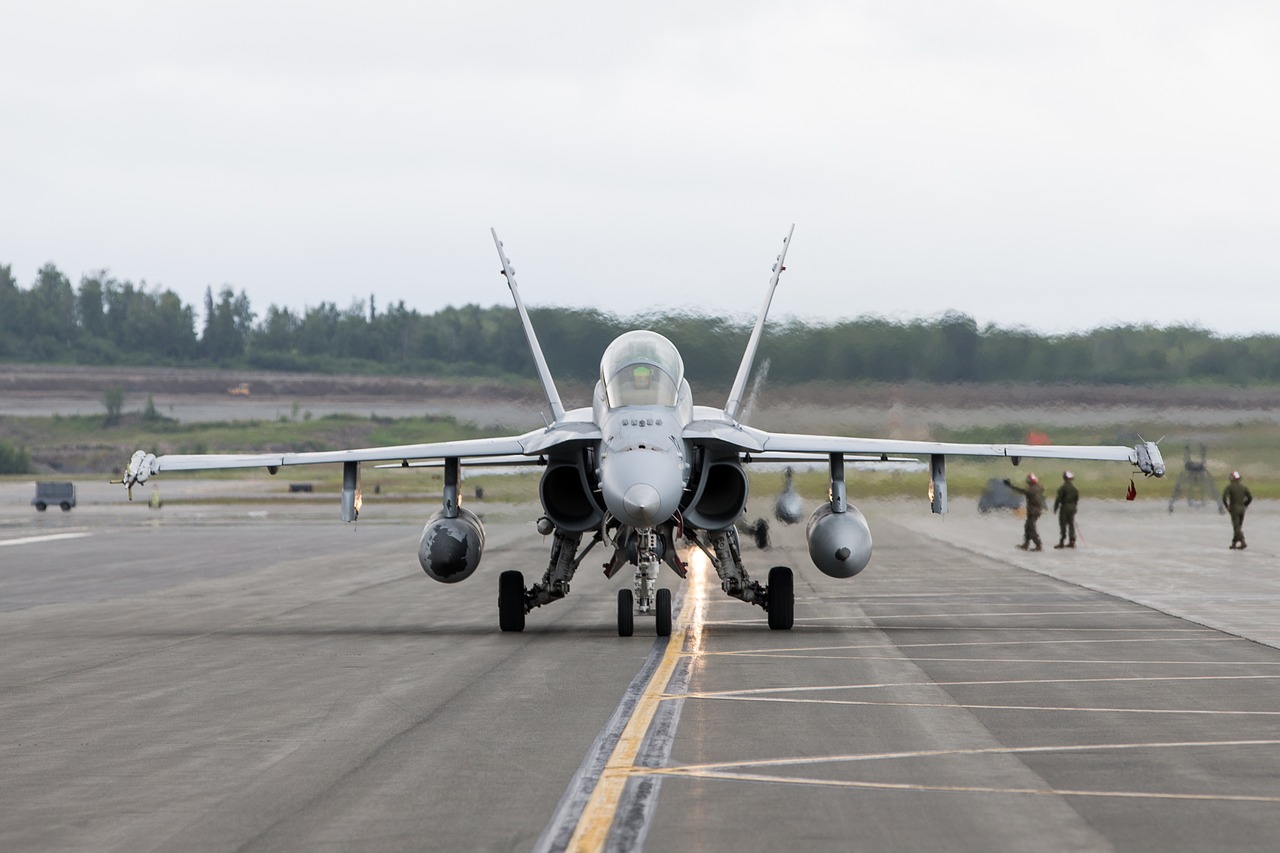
x: 1148, y: 459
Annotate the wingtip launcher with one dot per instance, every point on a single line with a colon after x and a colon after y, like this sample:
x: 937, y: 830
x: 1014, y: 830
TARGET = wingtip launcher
x: 140, y: 468
x: 1148, y: 459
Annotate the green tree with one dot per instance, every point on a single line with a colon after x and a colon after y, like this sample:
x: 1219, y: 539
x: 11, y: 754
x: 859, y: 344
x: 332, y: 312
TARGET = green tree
x: 226, y: 324
x: 11, y: 314
x: 51, y: 315
x: 14, y: 460
x: 91, y: 305
x: 113, y: 399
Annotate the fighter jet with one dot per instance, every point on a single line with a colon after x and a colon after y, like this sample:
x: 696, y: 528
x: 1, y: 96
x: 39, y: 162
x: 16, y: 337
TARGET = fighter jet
x: 646, y: 473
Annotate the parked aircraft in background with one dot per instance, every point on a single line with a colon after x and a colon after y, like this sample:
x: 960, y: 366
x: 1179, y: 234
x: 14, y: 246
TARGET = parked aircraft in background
x: 647, y: 473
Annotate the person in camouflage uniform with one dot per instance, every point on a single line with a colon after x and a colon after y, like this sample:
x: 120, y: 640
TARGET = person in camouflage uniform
x: 1236, y: 497
x: 1035, y: 505
x: 1064, y: 504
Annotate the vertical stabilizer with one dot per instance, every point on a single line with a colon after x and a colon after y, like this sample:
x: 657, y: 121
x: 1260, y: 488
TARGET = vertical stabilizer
x: 734, y: 405
x: 544, y: 373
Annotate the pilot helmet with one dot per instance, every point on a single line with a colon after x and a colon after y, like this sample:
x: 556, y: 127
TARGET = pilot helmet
x: 640, y: 376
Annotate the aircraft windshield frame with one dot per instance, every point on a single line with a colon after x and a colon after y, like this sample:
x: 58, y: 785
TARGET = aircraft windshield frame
x: 641, y: 368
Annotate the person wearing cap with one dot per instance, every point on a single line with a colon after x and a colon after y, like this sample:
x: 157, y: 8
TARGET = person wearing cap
x: 1035, y: 505
x: 1236, y: 497
x: 1064, y: 504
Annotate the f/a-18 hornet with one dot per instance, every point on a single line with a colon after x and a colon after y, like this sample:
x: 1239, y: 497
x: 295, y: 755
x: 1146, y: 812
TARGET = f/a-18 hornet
x: 647, y: 473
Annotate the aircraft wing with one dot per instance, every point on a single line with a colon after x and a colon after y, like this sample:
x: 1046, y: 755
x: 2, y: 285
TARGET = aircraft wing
x: 471, y: 462
x: 801, y: 458
x: 143, y: 465
x: 1145, y: 456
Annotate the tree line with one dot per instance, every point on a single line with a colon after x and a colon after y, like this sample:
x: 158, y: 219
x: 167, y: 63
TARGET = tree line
x: 107, y: 321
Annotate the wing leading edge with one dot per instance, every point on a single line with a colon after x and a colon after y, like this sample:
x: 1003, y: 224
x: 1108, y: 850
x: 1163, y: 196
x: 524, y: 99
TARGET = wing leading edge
x: 527, y: 446
x: 1146, y: 456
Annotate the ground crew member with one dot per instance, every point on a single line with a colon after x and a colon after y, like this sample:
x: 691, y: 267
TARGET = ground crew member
x: 1064, y: 504
x: 1237, y: 497
x: 1035, y: 505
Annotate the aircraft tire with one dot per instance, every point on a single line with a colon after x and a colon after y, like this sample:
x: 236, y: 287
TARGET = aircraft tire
x: 662, y: 615
x: 511, y: 601
x: 782, y: 599
x: 626, y: 613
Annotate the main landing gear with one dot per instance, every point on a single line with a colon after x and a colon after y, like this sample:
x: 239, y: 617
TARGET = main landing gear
x: 511, y: 601
x: 512, y: 596
x: 777, y: 598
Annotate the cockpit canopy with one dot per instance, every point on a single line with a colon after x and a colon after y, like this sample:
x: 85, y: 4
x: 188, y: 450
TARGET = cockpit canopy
x: 641, y: 369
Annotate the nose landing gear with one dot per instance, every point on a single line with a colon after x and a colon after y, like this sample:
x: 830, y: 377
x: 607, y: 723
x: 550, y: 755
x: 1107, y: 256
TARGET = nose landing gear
x: 644, y: 599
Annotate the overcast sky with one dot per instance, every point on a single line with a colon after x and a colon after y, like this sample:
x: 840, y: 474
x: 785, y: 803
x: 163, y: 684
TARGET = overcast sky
x: 1059, y: 166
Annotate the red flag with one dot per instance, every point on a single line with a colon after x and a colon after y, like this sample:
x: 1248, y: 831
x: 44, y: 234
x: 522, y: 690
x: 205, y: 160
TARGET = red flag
x: 1133, y: 491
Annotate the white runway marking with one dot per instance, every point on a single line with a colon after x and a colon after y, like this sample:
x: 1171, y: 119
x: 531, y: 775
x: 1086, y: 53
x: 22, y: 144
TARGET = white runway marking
x: 976, y: 707
x: 937, y: 753
x: 1036, y: 613
x: 750, y: 652
x: 52, y: 537
x: 963, y: 789
x: 722, y: 771
x: 759, y: 691
x: 845, y: 622
x: 783, y: 654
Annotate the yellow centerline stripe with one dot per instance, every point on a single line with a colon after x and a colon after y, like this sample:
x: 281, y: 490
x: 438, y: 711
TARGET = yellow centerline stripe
x: 597, y: 817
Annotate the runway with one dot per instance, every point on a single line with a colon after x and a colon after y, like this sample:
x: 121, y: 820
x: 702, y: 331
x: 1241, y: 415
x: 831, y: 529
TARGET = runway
x: 263, y: 677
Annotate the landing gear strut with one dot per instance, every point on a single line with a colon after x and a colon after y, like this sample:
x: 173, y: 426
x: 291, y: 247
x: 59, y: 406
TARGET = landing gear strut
x: 777, y: 599
x: 514, y: 601
x: 648, y: 545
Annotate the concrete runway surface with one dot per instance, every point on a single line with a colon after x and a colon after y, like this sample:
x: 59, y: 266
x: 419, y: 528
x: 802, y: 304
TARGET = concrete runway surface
x: 263, y: 677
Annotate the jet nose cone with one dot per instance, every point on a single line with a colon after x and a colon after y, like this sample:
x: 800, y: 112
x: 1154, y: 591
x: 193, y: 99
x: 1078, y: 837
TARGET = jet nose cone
x: 643, y: 503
